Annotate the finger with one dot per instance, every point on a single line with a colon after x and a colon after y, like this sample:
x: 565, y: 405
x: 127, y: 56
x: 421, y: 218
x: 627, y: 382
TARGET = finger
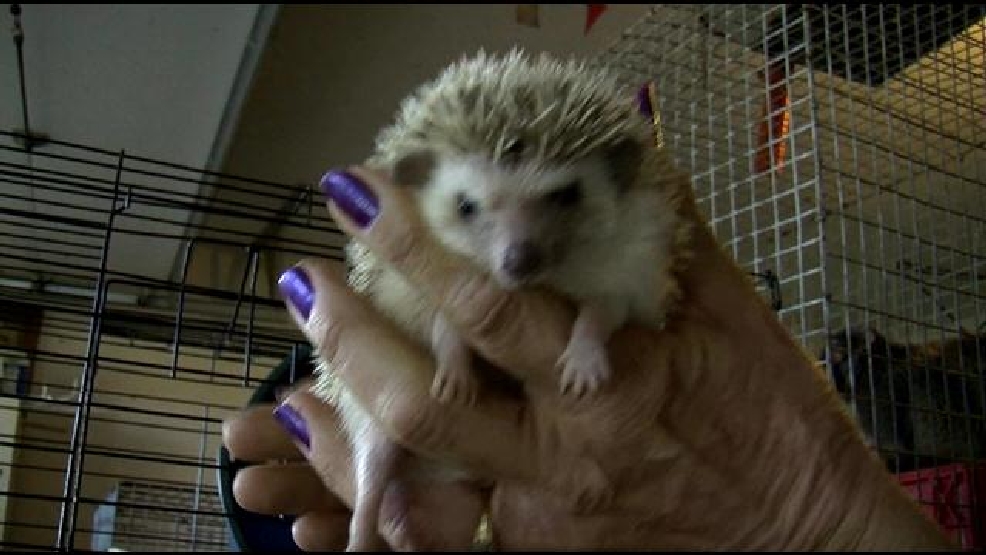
x: 389, y: 374
x: 284, y: 489
x: 522, y: 332
x: 253, y: 435
x: 319, y: 436
x: 281, y: 392
x: 419, y: 517
x: 321, y: 531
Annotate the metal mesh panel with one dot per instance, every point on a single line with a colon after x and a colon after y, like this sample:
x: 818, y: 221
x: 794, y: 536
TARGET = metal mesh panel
x: 710, y: 101
x: 870, y: 206
x: 130, y: 369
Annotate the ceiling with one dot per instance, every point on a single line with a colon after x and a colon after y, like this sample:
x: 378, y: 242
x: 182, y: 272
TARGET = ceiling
x: 153, y: 79
x: 164, y: 82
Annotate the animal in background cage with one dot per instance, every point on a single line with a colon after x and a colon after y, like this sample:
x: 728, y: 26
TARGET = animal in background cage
x: 541, y: 172
x: 850, y: 371
x: 909, y: 399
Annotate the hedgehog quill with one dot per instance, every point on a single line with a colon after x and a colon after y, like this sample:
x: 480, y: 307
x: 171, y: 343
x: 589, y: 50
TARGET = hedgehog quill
x: 541, y: 172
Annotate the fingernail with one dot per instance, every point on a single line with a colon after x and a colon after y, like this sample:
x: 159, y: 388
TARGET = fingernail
x: 297, y: 288
x: 293, y: 423
x: 351, y: 196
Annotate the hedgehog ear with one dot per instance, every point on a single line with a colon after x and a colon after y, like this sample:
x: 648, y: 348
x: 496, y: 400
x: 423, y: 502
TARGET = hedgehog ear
x: 414, y: 169
x: 644, y: 100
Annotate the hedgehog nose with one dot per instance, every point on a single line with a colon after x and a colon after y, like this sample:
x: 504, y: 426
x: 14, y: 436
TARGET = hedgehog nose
x: 521, y: 260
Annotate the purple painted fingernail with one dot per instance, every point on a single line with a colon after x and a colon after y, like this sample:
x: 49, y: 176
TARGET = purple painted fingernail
x: 297, y: 288
x: 293, y: 423
x: 351, y: 196
x: 643, y: 101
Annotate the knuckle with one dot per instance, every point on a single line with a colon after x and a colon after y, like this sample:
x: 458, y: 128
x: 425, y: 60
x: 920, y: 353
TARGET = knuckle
x: 482, y: 308
x: 330, y: 472
x: 404, y: 250
x: 326, y: 332
x: 414, y: 420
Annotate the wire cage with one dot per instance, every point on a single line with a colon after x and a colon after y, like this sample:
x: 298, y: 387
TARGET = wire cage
x: 842, y: 148
x: 837, y: 151
x: 126, y: 372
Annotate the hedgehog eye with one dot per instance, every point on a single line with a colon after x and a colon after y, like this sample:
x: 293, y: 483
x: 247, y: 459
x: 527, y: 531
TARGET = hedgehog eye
x: 467, y: 207
x: 569, y: 195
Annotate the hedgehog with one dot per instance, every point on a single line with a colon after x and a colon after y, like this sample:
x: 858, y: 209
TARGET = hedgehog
x: 543, y: 173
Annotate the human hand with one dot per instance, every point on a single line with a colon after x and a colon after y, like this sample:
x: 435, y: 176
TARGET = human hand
x: 715, y: 432
x: 279, y: 480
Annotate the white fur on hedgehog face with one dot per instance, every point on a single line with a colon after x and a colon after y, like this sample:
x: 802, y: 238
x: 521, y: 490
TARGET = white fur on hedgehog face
x: 526, y: 224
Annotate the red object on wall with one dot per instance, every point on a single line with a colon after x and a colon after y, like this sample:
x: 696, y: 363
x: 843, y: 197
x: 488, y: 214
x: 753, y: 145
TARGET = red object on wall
x: 954, y: 496
x: 776, y: 121
x: 592, y: 14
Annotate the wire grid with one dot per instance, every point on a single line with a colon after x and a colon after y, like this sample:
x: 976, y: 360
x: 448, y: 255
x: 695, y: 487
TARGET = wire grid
x: 153, y: 517
x: 872, y: 219
x: 710, y: 101
x: 132, y: 366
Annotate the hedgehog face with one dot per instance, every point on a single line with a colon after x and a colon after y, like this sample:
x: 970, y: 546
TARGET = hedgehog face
x: 521, y: 221
x: 521, y: 164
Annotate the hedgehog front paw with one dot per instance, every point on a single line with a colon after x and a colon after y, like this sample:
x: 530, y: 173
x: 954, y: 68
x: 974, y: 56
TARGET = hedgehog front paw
x: 455, y: 382
x: 584, y: 367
